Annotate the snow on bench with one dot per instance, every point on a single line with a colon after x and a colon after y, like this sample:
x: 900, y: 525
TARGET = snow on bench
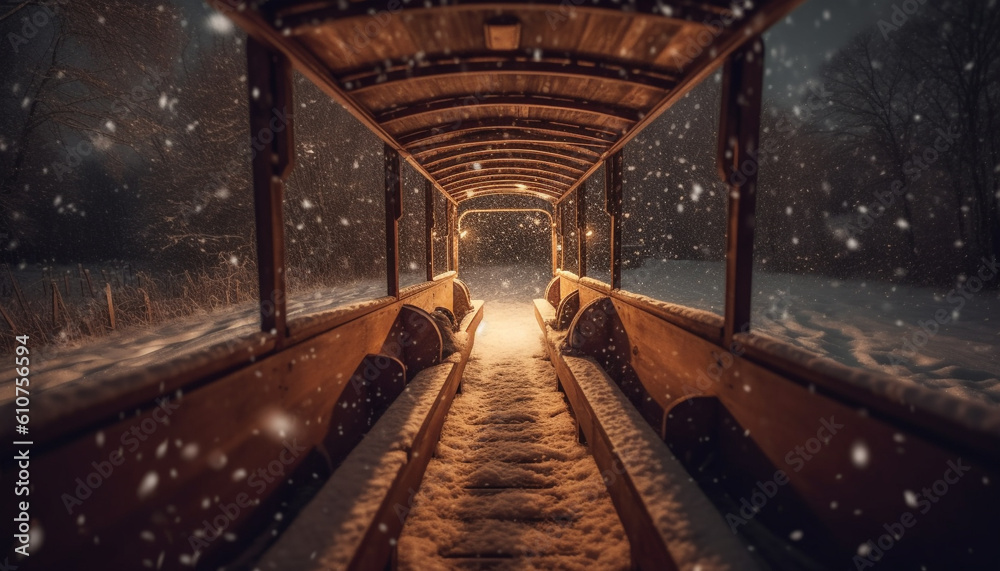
x: 331, y: 528
x: 695, y: 535
x: 334, y: 529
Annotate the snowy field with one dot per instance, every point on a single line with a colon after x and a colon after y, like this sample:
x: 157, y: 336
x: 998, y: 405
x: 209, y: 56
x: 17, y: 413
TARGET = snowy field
x: 506, y: 283
x: 871, y: 325
x: 134, y: 349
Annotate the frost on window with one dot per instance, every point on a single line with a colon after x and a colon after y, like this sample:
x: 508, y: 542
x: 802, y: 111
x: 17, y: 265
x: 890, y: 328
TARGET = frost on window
x: 674, y: 211
x: 334, y: 207
x: 413, y: 229
x: 571, y: 241
x: 877, y: 225
x: 126, y: 214
x: 597, y: 232
x: 440, y: 234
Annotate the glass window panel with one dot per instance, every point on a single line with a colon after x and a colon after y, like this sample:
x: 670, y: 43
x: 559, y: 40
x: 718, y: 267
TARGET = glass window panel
x: 571, y: 246
x: 875, y: 239
x: 413, y: 229
x: 674, y: 212
x: 598, y: 231
x: 440, y: 233
x: 334, y: 207
x: 125, y: 165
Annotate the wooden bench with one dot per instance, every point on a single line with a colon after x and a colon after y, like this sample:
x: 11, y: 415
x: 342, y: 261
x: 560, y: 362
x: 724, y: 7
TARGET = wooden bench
x: 670, y: 522
x: 354, y: 520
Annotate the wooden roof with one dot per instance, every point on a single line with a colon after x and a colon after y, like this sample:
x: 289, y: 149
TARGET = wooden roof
x: 506, y: 97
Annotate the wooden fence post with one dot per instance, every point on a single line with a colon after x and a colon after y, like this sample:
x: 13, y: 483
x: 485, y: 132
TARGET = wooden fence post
x: 111, y: 305
x: 149, y: 306
x: 8, y: 319
x: 90, y: 284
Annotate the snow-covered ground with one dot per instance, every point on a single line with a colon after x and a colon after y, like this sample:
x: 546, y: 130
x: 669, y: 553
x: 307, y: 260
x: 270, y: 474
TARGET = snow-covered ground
x: 506, y: 283
x: 134, y: 349
x: 872, y: 325
x: 868, y: 324
x: 510, y: 487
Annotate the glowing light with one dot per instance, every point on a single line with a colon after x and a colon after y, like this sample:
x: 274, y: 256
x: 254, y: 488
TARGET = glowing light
x: 219, y: 24
x: 590, y: 233
x: 520, y: 186
x: 463, y: 233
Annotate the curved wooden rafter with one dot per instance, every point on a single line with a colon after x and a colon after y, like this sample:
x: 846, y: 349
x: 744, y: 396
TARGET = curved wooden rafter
x: 458, y: 148
x: 448, y: 105
x: 506, y: 63
x: 503, y: 191
x: 469, y: 165
x: 514, y: 178
x: 296, y: 14
x: 542, y: 174
x: 586, y: 133
x: 520, y: 151
x: 513, y: 184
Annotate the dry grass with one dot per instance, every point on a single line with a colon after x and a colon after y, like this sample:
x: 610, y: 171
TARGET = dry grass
x: 139, y: 300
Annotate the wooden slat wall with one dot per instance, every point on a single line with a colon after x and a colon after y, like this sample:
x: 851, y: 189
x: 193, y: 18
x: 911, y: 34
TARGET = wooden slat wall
x: 856, y: 482
x: 178, y: 468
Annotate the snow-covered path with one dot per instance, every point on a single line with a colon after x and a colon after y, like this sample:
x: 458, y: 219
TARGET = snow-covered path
x: 510, y: 486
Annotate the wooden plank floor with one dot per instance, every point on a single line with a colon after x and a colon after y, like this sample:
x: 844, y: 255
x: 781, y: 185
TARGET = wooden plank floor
x: 510, y: 486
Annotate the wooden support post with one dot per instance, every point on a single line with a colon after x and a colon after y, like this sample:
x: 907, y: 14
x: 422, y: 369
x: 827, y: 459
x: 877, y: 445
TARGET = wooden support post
x: 739, y: 135
x: 613, y: 206
x: 554, y: 242
x: 111, y: 305
x: 393, y: 212
x: 429, y: 227
x: 581, y: 230
x: 453, y: 236
x: 90, y: 284
x: 270, y: 87
x: 557, y: 244
x: 66, y: 276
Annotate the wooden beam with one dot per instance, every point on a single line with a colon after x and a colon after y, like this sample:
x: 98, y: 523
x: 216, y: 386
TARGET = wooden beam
x: 518, y: 63
x: 259, y: 26
x: 533, y: 152
x: 429, y: 228
x: 453, y: 236
x: 512, y: 181
x: 471, y: 165
x: 613, y: 206
x: 497, y: 127
x: 530, y: 172
x: 740, y: 128
x: 270, y: 89
x: 393, y: 212
x: 740, y: 33
x: 296, y: 14
x: 581, y: 231
x: 451, y: 106
x: 505, y: 191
